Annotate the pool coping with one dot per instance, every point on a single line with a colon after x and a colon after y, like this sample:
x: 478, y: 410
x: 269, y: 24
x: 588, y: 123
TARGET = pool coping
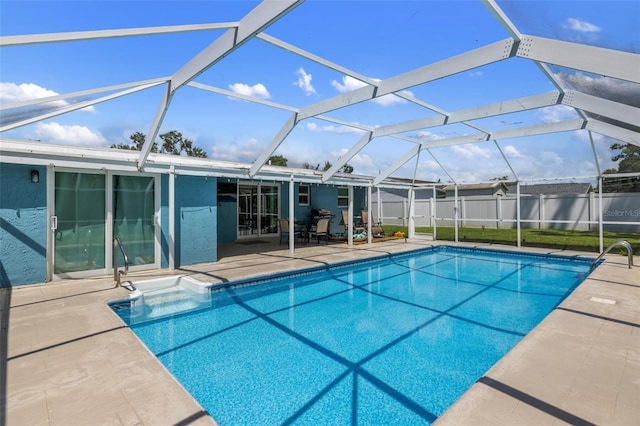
x: 71, y: 361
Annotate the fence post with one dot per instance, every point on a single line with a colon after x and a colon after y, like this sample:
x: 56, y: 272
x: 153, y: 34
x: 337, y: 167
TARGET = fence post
x: 404, y: 208
x: 498, y: 212
x: 411, y: 231
x: 518, y: 231
x: 600, y: 224
x: 541, y: 211
x: 455, y: 212
x: 433, y: 213
x: 592, y: 208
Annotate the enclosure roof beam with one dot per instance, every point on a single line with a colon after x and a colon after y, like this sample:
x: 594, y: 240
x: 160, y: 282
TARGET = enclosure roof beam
x: 315, y: 58
x: 506, y: 107
x: 167, y: 95
x: 502, y: 18
x: 81, y: 93
x: 597, y: 60
x: 408, y: 126
x: 101, y: 34
x: 263, y: 15
x: 604, y: 107
x: 332, y: 65
x: 616, y: 132
x: 595, y: 153
x: 235, y: 95
x: 77, y: 106
x: 395, y: 166
x: 506, y: 160
x: 498, y: 108
x: 253, y: 22
x: 478, y: 57
x: 540, y: 129
x: 347, y: 156
x: 275, y: 143
x: 441, y: 165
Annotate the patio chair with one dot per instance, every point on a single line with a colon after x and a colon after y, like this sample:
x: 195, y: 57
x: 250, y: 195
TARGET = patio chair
x: 321, y: 230
x: 284, y: 230
x: 345, y: 222
x: 364, y: 218
x: 376, y: 227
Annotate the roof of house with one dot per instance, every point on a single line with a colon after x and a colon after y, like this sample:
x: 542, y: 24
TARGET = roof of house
x: 553, y: 188
x: 478, y: 186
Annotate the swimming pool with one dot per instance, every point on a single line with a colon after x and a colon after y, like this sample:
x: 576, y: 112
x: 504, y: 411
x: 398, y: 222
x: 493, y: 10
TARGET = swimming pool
x: 393, y: 340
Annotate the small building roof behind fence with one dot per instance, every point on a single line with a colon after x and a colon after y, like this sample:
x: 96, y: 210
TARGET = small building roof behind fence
x: 553, y: 188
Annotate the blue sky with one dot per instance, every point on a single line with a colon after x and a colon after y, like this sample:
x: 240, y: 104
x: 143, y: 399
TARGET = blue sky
x: 377, y: 39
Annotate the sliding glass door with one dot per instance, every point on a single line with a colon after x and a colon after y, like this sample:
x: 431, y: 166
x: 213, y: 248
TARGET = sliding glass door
x: 134, y: 217
x: 88, y: 210
x: 257, y: 210
x: 79, y: 222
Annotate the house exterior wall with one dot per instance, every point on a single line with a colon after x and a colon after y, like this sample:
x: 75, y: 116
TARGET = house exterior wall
x: 196, y: 220
x: 227, y: 221
x: 164, y: 221
x: 23, y: 225
x: 326, y: 197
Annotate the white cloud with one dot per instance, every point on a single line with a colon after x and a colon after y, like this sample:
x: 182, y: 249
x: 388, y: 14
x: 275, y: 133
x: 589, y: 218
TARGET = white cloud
x: 475, y: 73
x: 360, y: 162
x: 12, y: 93
x: 511, y: 152
x: 580, y: 26
x: 424, y: 134
x: 349, y: 83
x: 239, y: 150
x: 330, y: 128
x: 557, y: 113
x: 551, y: 158
x: 256, y: 91
x: 304, y: 82
x: 72, y: 135
x: 470, y: 151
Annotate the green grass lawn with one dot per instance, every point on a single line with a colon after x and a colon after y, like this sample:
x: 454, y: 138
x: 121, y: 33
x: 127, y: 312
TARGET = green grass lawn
x: 551, y: 238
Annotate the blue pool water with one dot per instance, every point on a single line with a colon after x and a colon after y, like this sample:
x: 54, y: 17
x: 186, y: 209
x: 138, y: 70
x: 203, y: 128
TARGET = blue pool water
x: 394, y: 340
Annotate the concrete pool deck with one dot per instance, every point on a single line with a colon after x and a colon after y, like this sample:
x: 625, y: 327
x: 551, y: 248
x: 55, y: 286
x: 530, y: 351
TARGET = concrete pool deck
x: 68, y: 360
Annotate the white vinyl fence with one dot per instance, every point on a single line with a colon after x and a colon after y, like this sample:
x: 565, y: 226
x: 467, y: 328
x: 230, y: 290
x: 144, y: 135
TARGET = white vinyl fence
x: 620, y: 211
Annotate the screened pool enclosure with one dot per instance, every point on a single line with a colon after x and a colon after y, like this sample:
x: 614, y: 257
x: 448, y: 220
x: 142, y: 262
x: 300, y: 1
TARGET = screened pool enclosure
x: 387, y: 96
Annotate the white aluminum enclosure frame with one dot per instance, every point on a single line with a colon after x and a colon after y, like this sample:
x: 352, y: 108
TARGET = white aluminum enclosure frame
x: 540, y: 51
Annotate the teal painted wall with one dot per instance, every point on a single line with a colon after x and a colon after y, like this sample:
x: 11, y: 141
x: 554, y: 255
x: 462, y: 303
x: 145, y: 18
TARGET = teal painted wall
x: 227, y: 219
x: 23, y: 225
x: 196, y: 220
x: 321, y: 197
x: 164, y: 221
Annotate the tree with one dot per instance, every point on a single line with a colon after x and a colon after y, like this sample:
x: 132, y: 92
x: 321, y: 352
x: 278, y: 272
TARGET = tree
x: 310, y: 167
x: 278, y: 160
x: 172, y: 143
x: 346, y: 168
x: 628, y: 158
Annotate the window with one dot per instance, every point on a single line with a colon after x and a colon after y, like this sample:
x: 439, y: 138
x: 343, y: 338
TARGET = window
x: 303, y: 195
x: 343, y: 196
